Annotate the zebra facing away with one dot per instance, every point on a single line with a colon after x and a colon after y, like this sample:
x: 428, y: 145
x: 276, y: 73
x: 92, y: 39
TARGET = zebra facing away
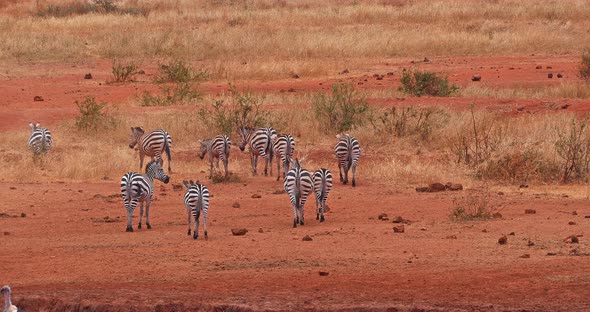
x: 40, y: 140
x: 196, y: 199
x: 348, y: 152
x: 152, y: 144
x: 322, y: 184
x: 283, y: 146
x: 260, y: 143
x: 137, y: 187
x: 298, y: 184
x: 217, y: 148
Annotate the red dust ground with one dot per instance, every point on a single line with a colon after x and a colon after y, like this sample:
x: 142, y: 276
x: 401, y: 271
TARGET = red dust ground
x: 61, y: 255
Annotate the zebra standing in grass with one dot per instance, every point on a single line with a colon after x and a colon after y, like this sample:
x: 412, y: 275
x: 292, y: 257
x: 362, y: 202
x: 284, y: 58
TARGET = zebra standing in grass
x: 260, y: 142
x: 137, y: 187
x: 218, y: 148
x: 152, y: 144
x: 322, y: 184
x: 348, y: 152
x: 40, y: 139
x: 298, y: 184
x: 196, y: 199
x: 283, y: 146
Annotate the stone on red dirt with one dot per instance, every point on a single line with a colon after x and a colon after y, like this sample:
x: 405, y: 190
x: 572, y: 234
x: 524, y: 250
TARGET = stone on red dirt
x: 390, y: 74
x: 295, y: 76
x: 436, y: 187
x: 307, y: 238
x: 572, y: 239
x: 549, y: 67
x: 476, y: 78
x: 38, y: 98
x: 291, y: 90
x: 538, y: 67
x: 236, y: 205
x: 260, y: 230
x: 571, y: 223
x: 530, y: 211
x: 497, y: 215
x: 239, y: 232
x: 503, y: 240
x: 422, y: 189
x: 88, y: 76
x: 346, y: 71
x: 454, y: 186
x: 383, y: 216
x: 426, y: 60
x: 256, y: 196
x: 177, y: 187
x: 398, y: 229
x: 452, y: 237
x: 323, y: 273
x: 550, y: 75
x: 530, y: 243
x: 575, y: 213
x: 525, y: 256
x: 397, y: 219
x: 511, y: 233
x: 559, y: 76
x: 23, y: 215
x: 6, y: 233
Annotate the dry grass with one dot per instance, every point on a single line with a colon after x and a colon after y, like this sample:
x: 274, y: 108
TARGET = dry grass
x: 568, y: 90
x: 262, y: 39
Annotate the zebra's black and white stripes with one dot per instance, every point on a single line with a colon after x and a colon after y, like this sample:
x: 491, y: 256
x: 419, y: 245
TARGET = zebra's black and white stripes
x: 40, y: 140
x: 283, y: 147
x: 322, y: 184
x: 137, y: 187
x: 218, y: 148
x: 196, y: 200
x: 348, y: 152
x: 298, y: 184
x: 260, y: 143
x: 152, y: 144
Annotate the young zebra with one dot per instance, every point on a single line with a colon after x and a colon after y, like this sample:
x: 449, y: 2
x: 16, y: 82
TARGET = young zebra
x: 218, y: 148
x: 137, y: 187
x: 348, y: 152
x: 40, y: 139
x: 196, y: 199
x: 283, y: 146
x: 260, y: 142
x: 152, y: 144
x: 322, y: 184
x: 298, y: 184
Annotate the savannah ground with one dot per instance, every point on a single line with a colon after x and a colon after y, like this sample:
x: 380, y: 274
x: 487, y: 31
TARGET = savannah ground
x: 62, y: 223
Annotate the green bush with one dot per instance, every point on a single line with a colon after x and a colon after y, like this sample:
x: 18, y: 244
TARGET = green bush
x: 407, y: 121
x: 93, y: 115
x: 584, y: 71
x: 180, y: 72
x: 177, y: 85
x: 419, y: 83
x: 124, y: 72
x: 343, y: 110
x: 237, y: 109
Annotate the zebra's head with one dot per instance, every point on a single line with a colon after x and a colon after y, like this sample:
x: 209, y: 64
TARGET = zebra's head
x: 245, y: 134
x: 154, y: 170
x: 5, y: 289
x: 136, y: 133
x: 203, y: 148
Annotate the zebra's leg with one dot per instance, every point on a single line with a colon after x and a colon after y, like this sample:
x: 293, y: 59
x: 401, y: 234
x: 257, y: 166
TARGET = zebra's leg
x: 225, y: 161
x: 266, y: 165
x: 323, y: 209
x: 205, y: 223
x: 346, y: 169
x: 271, y: 156
x: 340, y: 172
x: 140, y: 214
x: 301, y: 221
x: 188, y: 221
x: 196, y: 232
x: 130, y: 209
x: 278, y: 169
x: 317, y: 207
x: 253, y: 162
x: 295, y: 215
x: 147, y: 213
x: 141, y: 155
x: 353, y: 174
x: 211, y: 169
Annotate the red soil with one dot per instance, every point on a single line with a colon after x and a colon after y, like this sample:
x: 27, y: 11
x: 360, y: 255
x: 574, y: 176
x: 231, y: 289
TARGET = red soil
x: 62, y: 256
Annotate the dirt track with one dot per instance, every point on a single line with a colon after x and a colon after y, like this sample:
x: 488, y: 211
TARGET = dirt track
x: 63, y: 250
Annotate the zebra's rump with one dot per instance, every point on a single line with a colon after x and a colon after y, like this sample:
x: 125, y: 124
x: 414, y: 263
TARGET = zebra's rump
x: 347, y: 150
x: 196, y: 199
x: 153, y: 143
x: 284, y: 146
x: 40, y: 140
x: 298, y: 183
x: 322, y: 182
x: 220, y: 146
x: 135, y: 186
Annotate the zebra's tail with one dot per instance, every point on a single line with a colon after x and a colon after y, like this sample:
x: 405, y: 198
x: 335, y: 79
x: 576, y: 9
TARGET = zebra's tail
x: 167, y: 147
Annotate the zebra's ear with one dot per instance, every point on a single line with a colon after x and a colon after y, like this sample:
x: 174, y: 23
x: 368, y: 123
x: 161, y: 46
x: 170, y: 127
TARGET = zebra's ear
x: 192, y: 182
x: 37, y: 125
x: 185, y: 183
x: 32, y: 126
x: 338, y: 136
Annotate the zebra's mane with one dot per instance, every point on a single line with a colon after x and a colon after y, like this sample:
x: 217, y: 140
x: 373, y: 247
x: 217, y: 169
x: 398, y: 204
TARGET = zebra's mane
x: 149, y: 164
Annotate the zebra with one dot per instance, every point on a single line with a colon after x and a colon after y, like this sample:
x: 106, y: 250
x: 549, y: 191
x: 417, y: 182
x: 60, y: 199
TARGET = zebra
x: 40, y: 140
x: 151, y: 144
x: 322, y: 184
x: 283, y: 146
x: 137, y: 187
x: 217, y: 147
x: 298, y: 184
x: 348, y: 152
x: 196, y: 199
x: 260, y: 142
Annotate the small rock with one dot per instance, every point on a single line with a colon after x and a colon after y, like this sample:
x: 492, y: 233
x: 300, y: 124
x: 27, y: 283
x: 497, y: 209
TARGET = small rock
x: 323, y: 273
x: 141, y: 72
x: 476, y: 78
x: 539, y: 67
x: 390, y: 74
x: 260, y: 230
x: 256, y: 196
x: 38, y: 98
x: 552, y: 254
x: 530, y: 243
x: 88, y: 76
x: 380, y: 78
x: 177, y: 187
x: 436, y: 187
x: 512, y: 233
x: 12, y: 187
x: 452, y: 237
x: 525, y: 256
x: 501, y: 193
x: 398, y: 229
x: 497, y: 215
x: 484, y: 231
x: 503, y: 240
x: 550, y: 75
x: 454, y: 186
x: 307, y: 238
x: 360, y: 83
x: 291, y: 90
x: 523, y: 186
x: 571, y: 223
x: 6, y: 233
x: 346, y: 71
x: 383, y: 216
x: 530, y: 211
x: 397, y: 219
x: 295, y: 76
x: 565, y: 106
x: 559, y: 76
x: 23, y: 215
x: 236, y: 205
x: 426, y: 60
x: 422, y: 189
x: 572, y: 239
x: 575, y: 213
x: 549, y: 67
x: 239, y: 232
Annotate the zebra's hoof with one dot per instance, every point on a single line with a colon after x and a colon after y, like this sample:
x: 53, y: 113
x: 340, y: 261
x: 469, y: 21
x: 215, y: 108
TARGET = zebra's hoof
x: 129, y: 229
x: 139, y: 226
x: 353, y: 183
x: 206, y: 237
x: 294, y: 224
x: 195, y: 235
x: 322, y: 219
x: 189, y: 232
x: 149, y: 226
x: 301, y: 222
x: 317, y: 217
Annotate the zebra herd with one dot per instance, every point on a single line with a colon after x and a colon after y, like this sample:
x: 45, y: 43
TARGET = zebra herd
x: 262, y: 142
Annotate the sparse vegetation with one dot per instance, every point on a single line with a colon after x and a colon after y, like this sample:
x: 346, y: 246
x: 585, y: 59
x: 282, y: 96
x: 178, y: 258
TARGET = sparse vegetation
x: 80, y: 7
x: 408, y: 121
x: 343, y: 110
x: 177, y: 82
x: 418, y: 83
x: 573, y: 147
x: 93, y: 115
x: 124, y: 72
x: 472, y: 207
x: 584, y: 71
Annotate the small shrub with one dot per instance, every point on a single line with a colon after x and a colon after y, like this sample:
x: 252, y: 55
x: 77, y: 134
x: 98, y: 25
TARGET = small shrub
x: 406, y: 121
x: 182, y: 90
x: 93, y: 115
x: 517, y: 165
x: 573, y: 147
x: 418, y: 83
x: 219, y: 177
x: 343, y: 110
x: 584, y: 71
x: 81, y: 7
x: 238, y: 109
x: 124, y: 72
x: 180, y: 72
x: 474, y: 207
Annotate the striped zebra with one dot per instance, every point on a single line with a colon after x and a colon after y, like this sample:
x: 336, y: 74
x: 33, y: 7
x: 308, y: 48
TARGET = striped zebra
x: 152, y: 144
x: 348, y: 152
x: 217, y: 148
x: 196, y: 199
x: 298, y: 184
x: 260, y: 142
x: 283, y: 146
x: 322, y: 184
x: 137, y: 187
x: 40, y: 139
